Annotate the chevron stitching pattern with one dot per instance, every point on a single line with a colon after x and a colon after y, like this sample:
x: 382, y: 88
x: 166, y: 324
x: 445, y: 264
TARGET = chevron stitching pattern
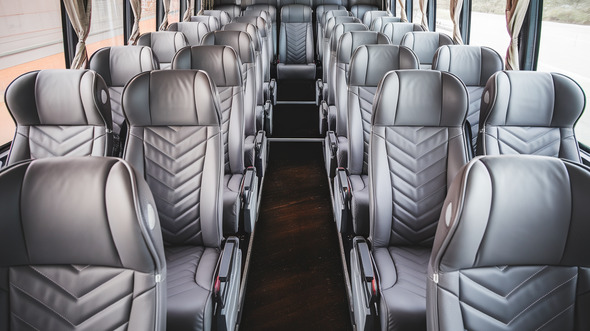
x: 49, y: 141
x: 296, y: 35
x: 226, y: 98
x: 174, y: 165
x: 475, y: 93
x: 417, y: 158
x: 411, y: 267
x: 116, y: 94
x: 71, y: 298
x: 365, y: 99
x: 182, y: 263
x: 529, y: 140
x: 517, y: 297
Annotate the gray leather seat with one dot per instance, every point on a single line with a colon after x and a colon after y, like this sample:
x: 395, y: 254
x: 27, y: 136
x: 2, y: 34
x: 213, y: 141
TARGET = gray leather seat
x: 527, y: 112
x: 211, y: 22
x: 175, y: 143
x: 224, y: 68
x: 359, y: 8
x: 117, y: 65
x: 379, y: 22
x: 474, y: 65
x: 425, y: 44
x: 164, y: 45
x: 232, y: 7
x: 222, y: 16
x: 296, y: 52
x: 371, y: 15
x: 261, y: 9
x: 321, y: 35
x: 417, y: 146
x: 511, y: 248
x: 193, y: 31
x: 59, y: 112
x: 368, y: 66
x: 396, y: 31
x: 81, y: 247
x: 320, y: 12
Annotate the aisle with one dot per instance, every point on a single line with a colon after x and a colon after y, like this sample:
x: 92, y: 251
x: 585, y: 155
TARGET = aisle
x: 296, y: 280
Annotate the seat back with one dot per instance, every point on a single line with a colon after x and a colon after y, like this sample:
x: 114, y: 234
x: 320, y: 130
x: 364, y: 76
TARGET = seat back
x: 266, y: 49
x: 368, y: 66
x: 474, y: 65
x: 242, y: 43
x: 359, y: 10
x: 379, y: 22
x: 59, y: 113
x: 262, y: 10
x: 328, y: 32
x: 193, y: 31
x: 321, y: 10
x: 230, y: 7
x: 164, y: 45
x: 222, y: 16
x: 321, y: 32
x: 296, y: 47
x: 223, y: 66
x: 80, y: 240
x: 117, y: 65
x: 396, y: 31
x: 175, y: 143
x: 371, y: 15
x: 417, y: 146
x: 529, y: 112
x: 425, y: 44
x: 347, y: 44
x: 511, y: 247
x: 211, y: 22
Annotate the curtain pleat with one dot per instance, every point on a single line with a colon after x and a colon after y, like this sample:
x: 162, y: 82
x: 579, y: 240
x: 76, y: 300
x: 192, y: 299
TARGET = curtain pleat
x: 402, y: 6
x: 515, y: 15
x: 455, y: 10
x: 423, y: 6
x: 136, y: 8
x: 190, y: 9
x: 164, y: 25
x: 79, y: 13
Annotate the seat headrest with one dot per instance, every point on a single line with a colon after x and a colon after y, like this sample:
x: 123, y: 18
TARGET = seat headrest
x: 296, y: 13
x: 510, y: 210
x: 219, y: 61
x: 349, y: 42
x: 240, y: 41
x: 258, y: 9
x: 163, y: 43
x: 425, y: 43
x: 212, y: 22
x: 171, y: 97
x: 397, y: 30
x: 77, y: 210
x: 332, y: 22
x: 308, y: 3
x: 370, y: 15
x: 379, y: 23
x: 193, y: 31
x: 257, y: 21
x: 341, y: 29
x: 59, y: 97
x: 334, y: 13
x: 370, y: 63
x: 532, y: 98
x: 358, y: 8
x: 221, y: 15
x: 420, y: 98
x: 474, y: 65
x: 248, y: 28
x: 118, y: 64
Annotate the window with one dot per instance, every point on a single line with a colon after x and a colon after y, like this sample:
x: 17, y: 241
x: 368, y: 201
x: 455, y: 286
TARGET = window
x: 106, y: 25
x: 147, y: 23
x: 443, y: 17
x: 30, y: 39
x: 564, y: 47
x: 488, y: 25
x: 174, y: 15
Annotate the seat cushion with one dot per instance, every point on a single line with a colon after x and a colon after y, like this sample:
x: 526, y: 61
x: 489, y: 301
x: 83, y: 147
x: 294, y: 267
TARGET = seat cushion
x: 402, y: 276
x: 190, y: 284
x: 231, y: 202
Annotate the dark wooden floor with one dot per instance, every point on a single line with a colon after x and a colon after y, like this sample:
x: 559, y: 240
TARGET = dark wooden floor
x: 295, y: 280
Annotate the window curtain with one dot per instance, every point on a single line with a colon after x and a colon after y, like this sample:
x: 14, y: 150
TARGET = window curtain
x: 402, y: 10
x: 455, y: 10
x: 190, y: 9
x: 164, y: 25
x: 515, y: 15
x: 423, y: 6
x: 136, y: 8
x: 79, y: 13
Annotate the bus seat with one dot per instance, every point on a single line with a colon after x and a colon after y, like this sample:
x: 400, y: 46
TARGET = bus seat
x: 59, y: 112
x: 379, y: 22
x: 396, y: 31
x: 164, y: 45
x: 321, y: 23
x: 359, y: 10
x: 232, y: 7
x: 371, y: 15
x: 530, y: 112
x: 193, y: 31
x: 222, y: 16
x: 425, y: 44
x: 271, y: 12
x: 212, y: 22
x: 296, y: 53
x: 81, y: 247
x: 474, y: 65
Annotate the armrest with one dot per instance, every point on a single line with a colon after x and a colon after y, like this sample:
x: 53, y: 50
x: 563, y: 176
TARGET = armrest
x: 342, y: 200
x: 366, y: 270
x: 260, y: 147
x: 364, y: 285
x: 323, y: 113
x: 319, y: 88
x: 249, y: 193
x: 268, y: 111
x: 227, y: 285
x: 332, y: 142
x: 272, y: 91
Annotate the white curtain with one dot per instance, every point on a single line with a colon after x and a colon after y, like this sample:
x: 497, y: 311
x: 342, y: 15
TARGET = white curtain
x: 164, y: 25
x: 455, y: 10
x: 515, y: 15
x: 423, y: 6
x: 136, y: 8
x: 190, y: 9
x: 79, y: 13
x: 402, y: 10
